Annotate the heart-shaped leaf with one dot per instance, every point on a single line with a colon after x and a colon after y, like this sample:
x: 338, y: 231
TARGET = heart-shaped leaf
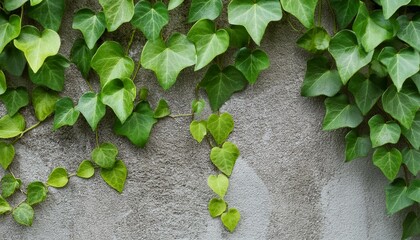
x: 9, y: 29
x: 14, y: 99
x: 254, y: 15
x: 36, y: 193
x: 365, y: 92
x: 150, y: 18
x: 86, y: 169
x: 251, y: 63
x: 382, y: 133
x: 9, y: 185
x: 117, y: 12
x: 168, y: 59
x: 411, y: 158
x: 23, y: 214
x: 413, y: 191
x: 220, y: 127
x: 231, y: 219
x: 357, y: 146
x: 224, y: 158
x: 219, y: 184
x: 12, y: 60
x: 345, y: 10
x: 204, y: 9
x: 396, y: 196
x: 58, y: 178
x: 217, y: 207
x: 174, y: 4
x: 413, y: 133
x: 7, y: 154
x: 389, y: 161
x: 162, y: 110
x: 37, y: 46
x: 238, y: 36
x: 82, y: 56
x: 4, y: 206
x: 411, y: 226
x: 198, y: 130
x: 105, y: 155
x: 91, y: 107
x: 116, y: 176
x: 11, y: 5
x: 48, y: 13
x: 44, y: 102
x: 12, y: 126
x: 315, y: 40
x: 304, y: 10
x: 410, y: 31
x: 65, y: 113
x: 208, y: 41
x: 90, y: 24
x: 391, y: 6
x: 340, y: 113
x: 51, y: 73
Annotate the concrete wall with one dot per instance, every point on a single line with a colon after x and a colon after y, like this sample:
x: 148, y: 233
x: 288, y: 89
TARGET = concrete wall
x: 289, y: 183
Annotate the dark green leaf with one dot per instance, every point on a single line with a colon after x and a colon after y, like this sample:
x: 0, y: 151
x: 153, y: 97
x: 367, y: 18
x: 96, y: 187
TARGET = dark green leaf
x: 204, y: 9
x: 91, y: 107
x: 12, y: 60
x: 81, y: 55
x: 410, y: 31
x: 357, y: 146
x: 411, y: 226
x: 413, y: 133
x: 413, y: 191
x: 65, y: 113
x: 150, y: 18
x: 48, y: 13
x: 340, y: 113
x: 36, y: 193
x: 411, y: 159
x: 366, y: 93
x: 391, y: 6
x: 238, y: 36
x: 119, y: 95
x: 251, y: 63
x: 396, y: 196
x: 105, y: 155
x: 389, y: 161
x: 382, y: 133
x: 51, y: 74
x: 90, y: 24
x: 304, y: 10
x: 116, y: 176
x: 14, y: 99
x: 162, y: 110
x: 345, y: 11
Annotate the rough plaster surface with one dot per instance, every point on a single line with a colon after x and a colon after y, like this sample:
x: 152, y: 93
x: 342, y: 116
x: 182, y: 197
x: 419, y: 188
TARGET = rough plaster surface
x: 289, y: 183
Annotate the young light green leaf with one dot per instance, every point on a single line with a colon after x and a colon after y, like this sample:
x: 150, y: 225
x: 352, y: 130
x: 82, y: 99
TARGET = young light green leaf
x: 4, y: 206
x: 105, y: 155
x: 382, y: 133
x: 315, y: 40
x: 208, y: 41
x: 410, y: 31
x: 217, y: 207
x: 81, y: 55
x: 224, y: 158
x: 389, y: 161
x: 221, y: 84
x: 150, y: 18
x: 111, y: 62
x: 65, y: 113
x: 7, y: 154
x: 117, y: 12
x: 251, y: 63
x: 91, y: 24
x: 86, y: 169
x: 11, y: 5
x: 391, y: 6
x: 396, y: 196
x: 138, y: 126
x: 9, y: 29
x: 220, y: 126
x: 35, y: 2
x: 37, y: 46
x: 413, y: 191
x: 304, y: 10
x: 231, y: 219
x: 357, y: 146
x: 204, y: 9
x: 411, y: 158
x: 51, y: 73
x: 320, y: 79
x: 366, y: 93
x: 174, y: 4
x: 345, y: 11
x: 14, y: 99
x: 413, y: 133
x: 402, y: 105
x: 162, y: 110
x: 119, y: 95
x: 24, y: 214
x: 36, y: 193
x: 238, y: 36
x: 411, y: 226
x: 48, y: 13
x: 349, y: 56
x: 340, y: 113
x: 198, y: 130
x: 91, y: 107
x: 12, y: 60
x: 12, y: 126
x: 254, y: 15
x: 219, y: 184
x: 58, y: 178
x: 168, y: 59
x: 116, y: 176
x: 44, y: 102
x: 198, y: 106
x: 9, y: 185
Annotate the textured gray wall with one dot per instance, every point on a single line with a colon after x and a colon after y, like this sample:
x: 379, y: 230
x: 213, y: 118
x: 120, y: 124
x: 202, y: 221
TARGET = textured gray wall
x: 289, y: 183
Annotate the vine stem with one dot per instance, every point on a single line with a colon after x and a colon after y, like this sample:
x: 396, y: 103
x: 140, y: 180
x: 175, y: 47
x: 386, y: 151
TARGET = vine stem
x: 97, y: 137
x: 137, y: 69
x: 133, y: 33
x: 320, y: 14
x: 26, y: 130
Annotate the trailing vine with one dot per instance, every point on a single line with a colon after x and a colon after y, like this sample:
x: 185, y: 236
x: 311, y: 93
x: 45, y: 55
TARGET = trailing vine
x: 373, y: 87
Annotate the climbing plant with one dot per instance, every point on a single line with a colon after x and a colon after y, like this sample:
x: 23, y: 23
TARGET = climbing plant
x: 373, y: 87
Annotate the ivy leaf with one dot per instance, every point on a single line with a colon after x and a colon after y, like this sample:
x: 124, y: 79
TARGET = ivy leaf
x: 86, y: 169
x: 11, y: 5
x: 150, y: 18
x: 319, y: 79
x: 44, y: 102
x: 411, y: 159
x: 198, y: 130
x: 198, y: 106
x: 143, y: 94
x: 117, y: 12
x: 9, y: 185
x: 410, y: 31
x: 216, y: 207
x: 14, y: 99
x: 51, y: 73
x: 81, y: 55
x: 401, y: 105
x: 36, y: 193
x: 224, y: 158
x: 7, y: 154
x: 204, y: 9
x: 220, y: 127
x: 303, y: 10
x: 24, y: 214
x: 58, y: 178
x: 111, y: 62
x: 221, y: 84
x: 4, y: 206
x: 251, y: 63
x: 345, y: 11
x: 65, y: 113
x: 174, y: 4
x: 12, y: 126
x: 90, y: 24
x: 91, y: 107
x: 12, y: 60
x: 401, y: 65
x: 366, y: 93
x: 162, y: 110
x: 371, y: 30
x: 340, y: 113
x: 116, y: 176
x: 389, y: 161
x: 3, y: 84
x: 168, y: 59
x: 348, y: 55
x: 382, y: 133
x: 9, y: 29
x: 208, y: 41
x: 48, y: 13
x: 238, y: 36
x: 231, y: 219
x: 105, y: 155
x: 391, y: 6
x: 37, y: 46
x: 315, y: 40
x: 35, y: 2
x: 413, y: 191
x: 219, y: 184
x: 411, y: 226
x: 357, y: 146
x: 413, y: 133
x: 119, y: 95
x: 254, y: 15
x: 396, y: 196
x: 138, y: 126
